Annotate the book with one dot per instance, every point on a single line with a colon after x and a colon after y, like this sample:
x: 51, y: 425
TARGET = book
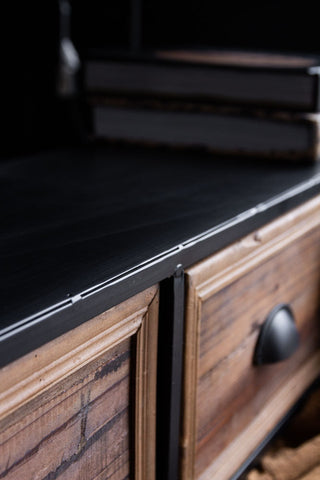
x: 230, y: 131
x: 267, y: 80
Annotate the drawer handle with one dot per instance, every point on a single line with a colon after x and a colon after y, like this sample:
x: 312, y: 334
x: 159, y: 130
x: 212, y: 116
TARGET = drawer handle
x: 279, y: 337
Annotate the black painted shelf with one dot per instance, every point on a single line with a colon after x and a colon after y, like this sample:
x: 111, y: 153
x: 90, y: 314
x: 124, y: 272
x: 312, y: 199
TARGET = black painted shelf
x: 83, y: 229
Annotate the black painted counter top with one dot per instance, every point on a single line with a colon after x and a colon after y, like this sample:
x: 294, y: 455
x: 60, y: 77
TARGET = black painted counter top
x: 84, y: 229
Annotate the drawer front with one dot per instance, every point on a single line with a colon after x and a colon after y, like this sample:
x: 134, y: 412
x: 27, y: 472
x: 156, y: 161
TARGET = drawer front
x: 83, y: 406
x: 230, y: 405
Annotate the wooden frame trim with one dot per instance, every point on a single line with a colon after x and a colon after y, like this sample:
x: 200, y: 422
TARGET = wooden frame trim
x: 145, y: 401
x: 191, y: 355
x: 32, y: 375
x: 210, y: 276
x: 239, y: 258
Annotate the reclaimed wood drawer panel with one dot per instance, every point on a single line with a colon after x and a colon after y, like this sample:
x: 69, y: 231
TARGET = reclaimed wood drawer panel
x: 82, y: 407
x: 229, y: 404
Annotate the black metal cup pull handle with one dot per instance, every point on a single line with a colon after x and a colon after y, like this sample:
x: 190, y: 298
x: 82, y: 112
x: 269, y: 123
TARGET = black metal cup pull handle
x: 279, y: 337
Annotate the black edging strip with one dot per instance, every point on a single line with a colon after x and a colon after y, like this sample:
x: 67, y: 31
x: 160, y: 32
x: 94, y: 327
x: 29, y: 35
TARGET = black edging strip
x: 170, y: 364
x: 34, y: 331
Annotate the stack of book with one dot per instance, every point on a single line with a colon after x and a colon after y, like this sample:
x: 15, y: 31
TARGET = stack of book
x: 230, y: 102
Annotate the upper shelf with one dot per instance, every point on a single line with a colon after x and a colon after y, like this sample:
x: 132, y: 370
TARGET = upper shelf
x: 83, y: 229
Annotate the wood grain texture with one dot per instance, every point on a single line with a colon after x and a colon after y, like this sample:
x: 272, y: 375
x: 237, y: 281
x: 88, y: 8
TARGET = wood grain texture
x: 69, y: 410
x: 229, y: 297
x: 250, y: 437
x: 145, y: 394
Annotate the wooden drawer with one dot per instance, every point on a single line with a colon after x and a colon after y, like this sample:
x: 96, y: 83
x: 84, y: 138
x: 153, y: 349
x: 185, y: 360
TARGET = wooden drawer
x: 82, y: 407
x: 230, y: 405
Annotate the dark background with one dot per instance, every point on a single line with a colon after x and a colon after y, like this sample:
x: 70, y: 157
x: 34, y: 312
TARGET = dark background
x: 35, y: 118
x: 276, y: 25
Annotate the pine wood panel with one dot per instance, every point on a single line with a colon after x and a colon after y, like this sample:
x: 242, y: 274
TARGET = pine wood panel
x: 229, y: 297
x: 72, y: 409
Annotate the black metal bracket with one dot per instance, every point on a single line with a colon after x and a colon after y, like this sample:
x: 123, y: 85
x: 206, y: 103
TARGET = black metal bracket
x: 170, y: 363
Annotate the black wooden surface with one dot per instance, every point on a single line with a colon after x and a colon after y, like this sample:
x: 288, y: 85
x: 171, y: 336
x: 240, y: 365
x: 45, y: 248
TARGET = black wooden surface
x: 84, y: 224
